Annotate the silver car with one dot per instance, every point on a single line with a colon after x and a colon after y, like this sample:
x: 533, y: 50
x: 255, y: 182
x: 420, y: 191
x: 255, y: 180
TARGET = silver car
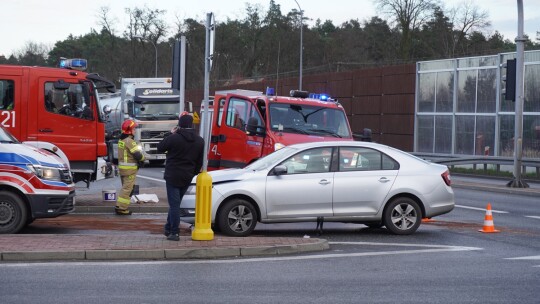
x: 354, y: 182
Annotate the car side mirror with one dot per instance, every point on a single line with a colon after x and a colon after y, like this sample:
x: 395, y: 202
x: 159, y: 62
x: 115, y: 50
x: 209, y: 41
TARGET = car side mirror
x: 253, y: 127
x: 280, y: 170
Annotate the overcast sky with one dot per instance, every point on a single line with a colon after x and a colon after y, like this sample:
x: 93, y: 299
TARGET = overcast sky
x: 49, y: 21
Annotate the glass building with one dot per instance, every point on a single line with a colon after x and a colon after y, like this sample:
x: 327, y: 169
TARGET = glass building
x: 460, y: 109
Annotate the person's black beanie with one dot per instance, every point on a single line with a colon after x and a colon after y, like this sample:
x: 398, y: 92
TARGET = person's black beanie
x: 185, y: 122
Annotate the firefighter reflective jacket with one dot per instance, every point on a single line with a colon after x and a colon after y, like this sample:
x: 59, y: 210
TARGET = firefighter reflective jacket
x: 129, y: 154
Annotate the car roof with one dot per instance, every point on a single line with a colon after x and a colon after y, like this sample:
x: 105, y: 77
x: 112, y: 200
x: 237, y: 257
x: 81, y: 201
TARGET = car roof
x: 339, y: 143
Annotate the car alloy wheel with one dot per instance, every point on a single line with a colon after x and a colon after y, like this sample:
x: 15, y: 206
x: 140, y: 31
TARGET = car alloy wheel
x: 402, y: 216
x: 237, y: 218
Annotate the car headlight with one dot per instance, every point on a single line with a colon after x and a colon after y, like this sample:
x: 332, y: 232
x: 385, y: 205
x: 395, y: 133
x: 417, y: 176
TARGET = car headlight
x: 191, y: 190
x: 278, y: 146
x: 47, y: 173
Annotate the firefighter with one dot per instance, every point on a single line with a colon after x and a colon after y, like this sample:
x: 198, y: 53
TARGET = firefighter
x: 130, y: 156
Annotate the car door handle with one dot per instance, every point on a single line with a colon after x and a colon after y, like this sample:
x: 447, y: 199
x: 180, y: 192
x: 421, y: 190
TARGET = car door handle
x: 383, y: 180
x: 45, y: 130
x: 324, y: 182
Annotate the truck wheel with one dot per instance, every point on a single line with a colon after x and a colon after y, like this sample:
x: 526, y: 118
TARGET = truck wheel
x: 13, y: 213
x: 237, y: 218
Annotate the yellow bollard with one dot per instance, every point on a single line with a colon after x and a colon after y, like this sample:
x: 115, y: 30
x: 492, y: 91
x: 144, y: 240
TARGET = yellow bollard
x: 203, y: 208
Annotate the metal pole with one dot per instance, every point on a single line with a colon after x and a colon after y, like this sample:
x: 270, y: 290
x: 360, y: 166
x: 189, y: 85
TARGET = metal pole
x: 301, y: 44
x: 206, y: 116
x: 203, y: 195
x: 520, y: 91
x: 155, y: 48
x: 182, y: 72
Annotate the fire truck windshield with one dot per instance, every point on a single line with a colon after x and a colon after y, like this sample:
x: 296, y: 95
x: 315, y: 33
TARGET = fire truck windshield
x: 156, y: 111
x: 307, y: 119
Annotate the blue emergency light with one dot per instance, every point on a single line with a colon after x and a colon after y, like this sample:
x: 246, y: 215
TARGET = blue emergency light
x: 74, y: 64
x: 270, y: 91
x: 322, y: 97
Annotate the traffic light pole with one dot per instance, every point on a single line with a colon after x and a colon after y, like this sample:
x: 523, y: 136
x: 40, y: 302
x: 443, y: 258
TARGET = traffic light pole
x: 517, y: 182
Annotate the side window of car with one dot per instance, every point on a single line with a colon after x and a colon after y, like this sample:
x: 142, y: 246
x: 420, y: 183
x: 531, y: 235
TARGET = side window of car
x: 253, y: 113
x: 72, y: 102
x: 362, y: 159
x: 237, y: 113
x: 7, y: 94
x: 388, y: 163
x: 220, y: 114
x: 309, y: 161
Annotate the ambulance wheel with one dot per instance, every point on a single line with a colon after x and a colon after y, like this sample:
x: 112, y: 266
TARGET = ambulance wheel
x: 13, y: 213
x: 237, y: 217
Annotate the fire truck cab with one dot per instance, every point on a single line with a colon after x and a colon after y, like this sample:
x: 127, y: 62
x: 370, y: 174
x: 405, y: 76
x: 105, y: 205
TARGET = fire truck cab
x: 247, y: 125
x: 57, y: 109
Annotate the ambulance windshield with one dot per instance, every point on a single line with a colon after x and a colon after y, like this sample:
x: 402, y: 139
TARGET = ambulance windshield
x: 6, y: 137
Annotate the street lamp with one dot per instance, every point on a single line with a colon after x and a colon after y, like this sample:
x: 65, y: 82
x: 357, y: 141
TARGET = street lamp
x: 155, y: 48
x: 301, y: 42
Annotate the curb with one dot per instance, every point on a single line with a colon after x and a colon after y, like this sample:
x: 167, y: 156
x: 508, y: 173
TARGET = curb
x: 110, y: 209
x: 497, y: 189
x: 162, y: 254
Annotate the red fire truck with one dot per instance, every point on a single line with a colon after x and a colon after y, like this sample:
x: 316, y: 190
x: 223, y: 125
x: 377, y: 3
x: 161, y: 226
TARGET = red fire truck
x: 58, y: 109
x: 251, y: 124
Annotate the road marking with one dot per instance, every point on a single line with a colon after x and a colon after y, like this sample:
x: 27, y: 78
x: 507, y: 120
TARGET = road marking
x: 480, y: 209
x: 427, y: 249
x: 459, y: 248
x: 534, y: 217
x: 536, y: 257
x: 151, y: 178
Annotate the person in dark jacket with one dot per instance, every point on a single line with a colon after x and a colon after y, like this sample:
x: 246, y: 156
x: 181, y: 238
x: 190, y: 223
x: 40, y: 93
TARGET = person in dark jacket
x: 185, y: 150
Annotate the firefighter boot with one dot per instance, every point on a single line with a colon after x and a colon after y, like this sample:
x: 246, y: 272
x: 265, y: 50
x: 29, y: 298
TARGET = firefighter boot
x: 119, y: 211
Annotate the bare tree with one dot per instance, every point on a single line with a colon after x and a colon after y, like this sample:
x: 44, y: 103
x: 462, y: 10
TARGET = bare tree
x: 33, y: 53
x: 106, y: 22
x: 467, y: 18
x: 149, y: 24
x: 408, y: 15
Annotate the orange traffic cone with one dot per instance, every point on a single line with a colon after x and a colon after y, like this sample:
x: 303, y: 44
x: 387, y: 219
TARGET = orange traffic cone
x: 488, y: 221
x: 427, y: 220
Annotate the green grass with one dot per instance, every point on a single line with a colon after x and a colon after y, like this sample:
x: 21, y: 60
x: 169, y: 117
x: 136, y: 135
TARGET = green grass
x: 491, y: 172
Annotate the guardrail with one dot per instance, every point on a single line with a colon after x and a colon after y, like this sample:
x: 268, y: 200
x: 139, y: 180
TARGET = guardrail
x: 453, y: 160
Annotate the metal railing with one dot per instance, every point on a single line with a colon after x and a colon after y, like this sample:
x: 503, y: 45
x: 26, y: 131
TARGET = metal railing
x: 484, y: 161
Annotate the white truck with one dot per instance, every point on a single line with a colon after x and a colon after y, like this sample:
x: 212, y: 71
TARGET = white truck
x: 152, y: 103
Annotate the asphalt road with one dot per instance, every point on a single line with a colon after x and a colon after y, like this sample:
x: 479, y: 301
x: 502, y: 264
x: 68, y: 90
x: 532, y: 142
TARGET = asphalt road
x: 445, y: 261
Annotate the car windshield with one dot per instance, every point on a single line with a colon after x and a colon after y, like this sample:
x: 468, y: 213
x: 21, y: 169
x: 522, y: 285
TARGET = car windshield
x: 156, y: 111
x: 309, y: 120
x: 270, y: 159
